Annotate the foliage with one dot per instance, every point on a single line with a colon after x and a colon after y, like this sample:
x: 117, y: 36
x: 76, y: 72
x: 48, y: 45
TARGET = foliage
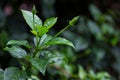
x: 35, y: 57
x: 96, y: 39
x: 92, y: 75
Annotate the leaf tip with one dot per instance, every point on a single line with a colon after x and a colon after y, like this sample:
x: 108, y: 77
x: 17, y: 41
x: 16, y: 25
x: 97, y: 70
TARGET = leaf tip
x: 74, y: 20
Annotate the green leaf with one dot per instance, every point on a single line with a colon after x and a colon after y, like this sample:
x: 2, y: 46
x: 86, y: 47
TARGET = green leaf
x: 40, y: 64
x: 36, y: 40
x: 19, y: 42
x: 14, y: 73
x: 82, y: 73
x: 59, y: 40
x: 58, y: 59
x: 95, y: 12
x: 28, y: 16
x: 42, y: 30
x: 34, y: 32
x: 45, y: 57
x: 114, y: 41
x: 92, y: 74
x: 94, y: 29
x: 33, y: 77
x: 74, y: 20
x: 34, y: 11
x: 44, y: 39
x: 1, y: 74
x: 50, y: 22
x: 16, y: 51
x: 102, y: 75
x: 107, y: 29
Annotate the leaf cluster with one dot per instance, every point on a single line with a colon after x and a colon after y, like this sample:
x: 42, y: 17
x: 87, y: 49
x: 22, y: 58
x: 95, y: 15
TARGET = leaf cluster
x: 34, y: 57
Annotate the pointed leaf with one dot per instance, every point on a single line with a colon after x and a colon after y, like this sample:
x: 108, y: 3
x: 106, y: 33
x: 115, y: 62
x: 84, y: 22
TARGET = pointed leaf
x: 36, y: 40
x: 74, y: 20
x: 16, y: 51
x: 82, y: 73
x: 42, y: 30
x: 44, y: 39
x: 94, y: 29
x: 40, y: 64
x: 50, y: 22
x: 34, y: 32
x: 14, y: 73
x: 28, y: 16
x: 59, y: 40
x: 95, y: 12
x: 34, y: 11
x: 45, y: 57
x: 19, y: 42
x: 102, y: 75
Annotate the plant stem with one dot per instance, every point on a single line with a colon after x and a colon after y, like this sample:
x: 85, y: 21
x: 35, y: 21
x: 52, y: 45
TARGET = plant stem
x: 62, y: 30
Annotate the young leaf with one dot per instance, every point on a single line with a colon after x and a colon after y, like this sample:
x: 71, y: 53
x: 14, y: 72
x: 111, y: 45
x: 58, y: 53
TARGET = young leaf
x: 74, y: 20
x: 28, y: 16
x: 1, y: 74
x: 34, y: 11
x: 50, y: 22
x: 13, y: 73
x: 19, y: 42
x: 16, y: 51
x: 42, y: 30
x: 34, y: 32
x: 59, y: 40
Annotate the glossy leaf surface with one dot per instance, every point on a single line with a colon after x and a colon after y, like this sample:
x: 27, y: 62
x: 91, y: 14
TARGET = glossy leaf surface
x: 19, y: 42
x: 28, y: 16
x: 13, y: 73
x: 50, y: 22
x: 16, y: 51
x: 59, y: 40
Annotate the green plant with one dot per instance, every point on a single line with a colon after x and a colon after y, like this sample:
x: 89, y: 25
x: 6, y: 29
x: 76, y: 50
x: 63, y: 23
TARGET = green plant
x: 34, y: 58
x: 97, y: 43
x: 91, y: 75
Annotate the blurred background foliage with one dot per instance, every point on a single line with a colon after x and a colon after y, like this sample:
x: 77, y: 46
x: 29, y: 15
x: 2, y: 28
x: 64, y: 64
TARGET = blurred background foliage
x: 96, y: 36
